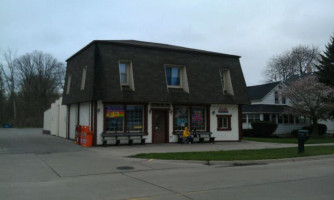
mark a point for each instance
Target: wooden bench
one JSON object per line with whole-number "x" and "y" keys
{"x": 130, "y": 137}
{"x": 202, "y": 135}
{"x": 205, "y": 135}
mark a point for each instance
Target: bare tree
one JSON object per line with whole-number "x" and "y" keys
{"x": 298, "y": 61}
{"x": 40, "y": 78}
{"x": 305, "y": 58}
{"x": 308, "y": 98}
{"x": 8, "y": 71}
{"x": 280, "y": 68}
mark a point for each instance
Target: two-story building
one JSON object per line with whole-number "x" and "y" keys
{"x": 122, "y": 86}
{"x": 267, "y": 104}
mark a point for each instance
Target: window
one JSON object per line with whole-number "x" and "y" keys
{"x": 134, "y": 118}
{"x": 291, "y": 119}
{"x": 266, "y": 117}
{"x": 276, "y": 97}
{"x": 68, "y": 84}
{"x": 83, "y": 78}
{"x": 120, "y": 118}
{"x": 286, "y": 119}
{"x": 181, "y": 117}
{"x": 280, "y": 119}
{"x": 124, "y": 69}
{"x": 173, "y": 76}
{"x": 195, "y": 117}
{"x": 298, "y": 120}
{"x": 224, "y": 122}
{"x": 244, "y": 118}
{"x": 198, "y": 118}
{"x": 283, "y": 100}
{"x": 226, "y": 82}
{"x": 273, "y": 118}
{"x": 253, "y": 118}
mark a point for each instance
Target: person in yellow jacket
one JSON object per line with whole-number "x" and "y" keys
{"x": 186, "y": 135}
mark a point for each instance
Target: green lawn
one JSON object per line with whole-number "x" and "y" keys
{"x": 291, "y": 140}
{"x": 260, "y": 154}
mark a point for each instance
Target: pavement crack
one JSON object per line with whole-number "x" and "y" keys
{"x": 49, "y": 166}
{"x": 153, "y": 184}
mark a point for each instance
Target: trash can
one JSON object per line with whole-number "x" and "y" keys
{"x": 86, "y": 137}
{"x": 303, "y": 135}
{"x": 89, "y": 139}
{"x": 77, "y": 135}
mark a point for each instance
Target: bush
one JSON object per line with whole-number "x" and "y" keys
{"x": 321, "y": 127}
{"x": 263, "y": 129}
{"x": 247, "y": 132}
{"x": 294, "y": 133}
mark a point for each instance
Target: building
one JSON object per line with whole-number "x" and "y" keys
{"x": 267, "y": 104}
{"x": 128, "y": 86}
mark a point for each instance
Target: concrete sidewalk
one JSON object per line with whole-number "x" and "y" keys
{"x": 196, "y": 147}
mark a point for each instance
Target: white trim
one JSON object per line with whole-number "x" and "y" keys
{"x": 83, "y": 78}
{"x": 181, "y": 68}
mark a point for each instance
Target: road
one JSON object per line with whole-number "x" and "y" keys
{"x": 35, "y": 166}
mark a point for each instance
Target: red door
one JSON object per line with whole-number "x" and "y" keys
{"x": 159, "y": 126}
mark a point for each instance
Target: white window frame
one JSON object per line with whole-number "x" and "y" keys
{"x": 68, "y": 84}
{"x": 128, "y": 68}
{"x": 181, "y": 68}
{"x": 83, "y": 77}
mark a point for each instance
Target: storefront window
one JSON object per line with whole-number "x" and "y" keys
{"x": 117, "y": 115}
{"x": 198, "y": 118}
{"x": 114, "y": 118}
{"x": 181, "y": 117}
{"x": 135, "y": 118}
{"x": 195, "y": 117}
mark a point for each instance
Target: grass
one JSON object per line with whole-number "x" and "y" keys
{"x": 260, "y": 154}
{"x": 320, "y": 140}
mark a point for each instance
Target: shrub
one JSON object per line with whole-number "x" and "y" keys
{"x": 263, "y": 129}
{"x": 247, "y": 132}
{"x": 294, "y": 133}
{"x": 321, "y": 127}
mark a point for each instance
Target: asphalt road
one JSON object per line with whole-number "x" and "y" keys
{"x": 36, "y": 166}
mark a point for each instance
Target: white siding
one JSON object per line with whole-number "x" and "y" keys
{"x": 100, "y": 122}
{"x": 233, "y": 134}
{"x": 85, "y": 114}
{"x": 47, "y": 120}
{"x": 329, "y": 124}
{"x": 73, "y": 120}
{"x": 55, "y": 119}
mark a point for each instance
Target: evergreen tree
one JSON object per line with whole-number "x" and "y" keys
{"x": 326, "y": 66}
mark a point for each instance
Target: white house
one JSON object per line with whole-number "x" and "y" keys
{"x": 267, "y": 104}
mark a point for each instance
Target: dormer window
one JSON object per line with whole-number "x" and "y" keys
{"x": 124, "y": 71}
{"x": 83, "y": 78}
{"x": 173, "y": 76}
{"x": 226, "y": 82}
{"x": 68, "y": 84}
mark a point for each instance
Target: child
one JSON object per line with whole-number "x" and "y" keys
{"x": 186, "y": 134}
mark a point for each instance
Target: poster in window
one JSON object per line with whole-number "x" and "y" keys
{"x": 114, "y": 111}
{"x": 197, "y": 117}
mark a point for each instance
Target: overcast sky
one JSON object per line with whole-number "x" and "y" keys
{"x": 254, "y": 29}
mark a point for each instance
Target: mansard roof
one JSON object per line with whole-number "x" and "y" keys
{"x": 148, "y": 66}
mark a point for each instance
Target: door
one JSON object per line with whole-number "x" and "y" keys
{"x": 159, "y": 126}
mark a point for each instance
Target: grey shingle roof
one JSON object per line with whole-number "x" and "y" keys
{"x": 263, "y": 108}
{"x": 154, "y": 45}
{"x": 148, "y": 66}
{"x": 257, "y": 92}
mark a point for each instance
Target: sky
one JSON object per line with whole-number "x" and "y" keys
{"x": 256, "y": 30}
